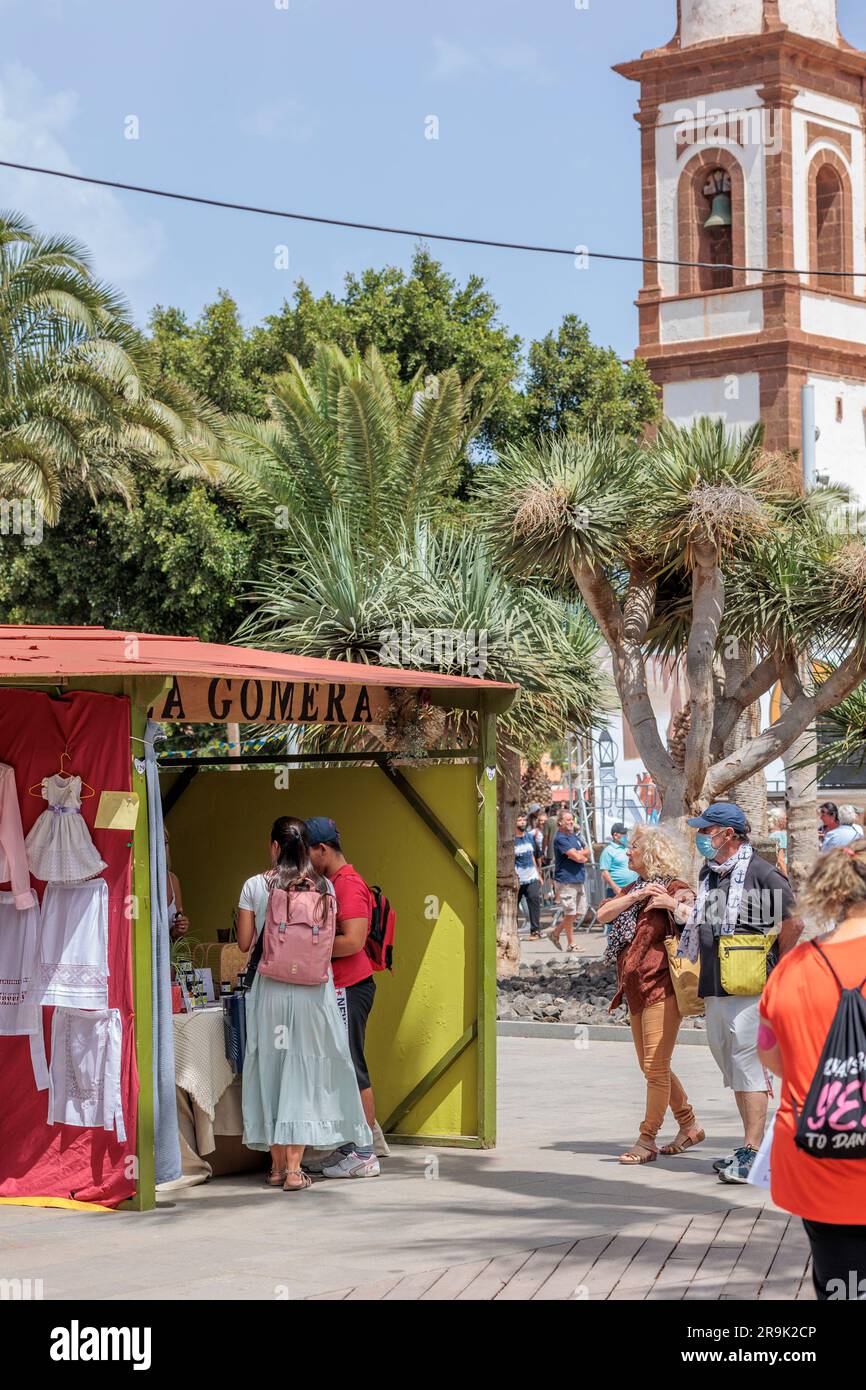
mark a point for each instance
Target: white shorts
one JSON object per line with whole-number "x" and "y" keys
{"x": 732, "y": 1033}
{"x": 572, "y": 899}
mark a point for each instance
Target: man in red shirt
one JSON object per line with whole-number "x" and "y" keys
{"x": 353, "y": 980}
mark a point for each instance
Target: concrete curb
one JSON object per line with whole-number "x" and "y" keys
{"x": 594, "y": 1032}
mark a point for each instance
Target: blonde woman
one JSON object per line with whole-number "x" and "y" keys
{"x": 653, "y": 907}
{"x": 797, "y": 1007}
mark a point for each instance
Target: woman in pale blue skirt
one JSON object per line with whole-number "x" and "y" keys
{"x": 299, "y": 1085}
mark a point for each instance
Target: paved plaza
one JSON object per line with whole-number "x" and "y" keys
{"x": 548, "y": 1214}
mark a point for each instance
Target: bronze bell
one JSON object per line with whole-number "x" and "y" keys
{"x": 721, "y": 215}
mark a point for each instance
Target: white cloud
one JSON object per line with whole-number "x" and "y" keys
{"x": 451, "y": 61}
{"x": 124, "y": 241}
{"x": 281, "y": 120}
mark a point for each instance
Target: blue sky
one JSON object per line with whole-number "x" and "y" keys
{"x": 321, "y": 107}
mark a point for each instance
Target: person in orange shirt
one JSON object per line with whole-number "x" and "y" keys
{"x": 797, "y": 1008}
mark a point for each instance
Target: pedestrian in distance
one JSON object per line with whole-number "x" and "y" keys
{"x": 613, "y": 862}
{"x": 570, "y": 856}
{"x": 528, "y": 876}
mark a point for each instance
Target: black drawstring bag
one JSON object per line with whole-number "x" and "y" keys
{"x": 832, "y": 1123}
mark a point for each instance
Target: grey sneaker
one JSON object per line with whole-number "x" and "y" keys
{"x": 317, "y": 1162}
{"x": 739, "y": 1170}
{"x": 352, "y": 1166}
{"x": 721, "y": 1163}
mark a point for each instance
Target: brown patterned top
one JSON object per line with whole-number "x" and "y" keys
{"x": 642, "y": 971}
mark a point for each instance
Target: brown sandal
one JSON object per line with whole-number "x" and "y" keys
{"x": 679, "y": 1146}
{"x": 297, "y": 1187}
{"x": 275, "y": 1179}
{"x": 640, "y": 1153}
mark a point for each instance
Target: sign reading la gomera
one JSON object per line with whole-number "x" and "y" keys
{"x": 226, "y": 700}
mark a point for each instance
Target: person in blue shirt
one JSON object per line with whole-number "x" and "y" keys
{"x": 528, "y": 877}
{"x": 569, "y": 875}
{"x": 613, "y": 862}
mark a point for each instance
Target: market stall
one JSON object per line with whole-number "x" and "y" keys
{"x": 426, "y": 831}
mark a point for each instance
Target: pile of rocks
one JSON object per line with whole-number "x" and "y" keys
{"x": 567, "y": 990}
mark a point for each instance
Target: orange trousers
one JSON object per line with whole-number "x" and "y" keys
{"x": 654, "y": 1031}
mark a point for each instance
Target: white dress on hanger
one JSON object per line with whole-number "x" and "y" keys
{"x": 72, "y": 958}
{"x": 84, "y": 1075}
{"x": 59, "y": 847}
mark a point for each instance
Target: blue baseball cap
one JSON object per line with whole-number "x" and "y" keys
{"x": 321, "y": 830}
{"x": 721, "y": 813}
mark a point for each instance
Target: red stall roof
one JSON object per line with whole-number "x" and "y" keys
{"x": 39, "y": 653}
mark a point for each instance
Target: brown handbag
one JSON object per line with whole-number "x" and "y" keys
{"x": 684, "y": 975}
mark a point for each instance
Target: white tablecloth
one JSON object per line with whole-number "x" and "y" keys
{"x": 200, "y": 1064}
{"x": 207, "y": 1090}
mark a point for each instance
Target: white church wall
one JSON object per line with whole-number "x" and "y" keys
{"x": 724, "y": 315}
{"x": 840, "y": 451}
{"x": 830, "y": 317}
{"x": 734, "y": 399}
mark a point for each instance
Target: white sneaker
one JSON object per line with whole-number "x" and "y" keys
{"x": 353, "y": 1166}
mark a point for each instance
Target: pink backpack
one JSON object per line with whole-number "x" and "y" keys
{"x": 298, "y": 935}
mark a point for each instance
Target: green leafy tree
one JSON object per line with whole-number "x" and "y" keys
{"x": 174, "y": 562}
{"x": 421, "y": 322}
{"x": 572, "y": 384}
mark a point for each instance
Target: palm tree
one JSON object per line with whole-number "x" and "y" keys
{"x": 333, "y": 599}
{"x": 81, "y": 396}
{"x": 699, "y": 545}
{"x": 345, "y": 435}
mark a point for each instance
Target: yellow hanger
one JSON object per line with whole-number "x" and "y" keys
{"x": 36, "y": 789}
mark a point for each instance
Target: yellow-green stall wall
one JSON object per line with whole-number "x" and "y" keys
{"x": 219, "y": 837}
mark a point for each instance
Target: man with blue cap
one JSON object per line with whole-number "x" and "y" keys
{"x": 739, "y": 895}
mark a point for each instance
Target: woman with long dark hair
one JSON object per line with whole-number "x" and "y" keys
{"x": 299, "y": 1084}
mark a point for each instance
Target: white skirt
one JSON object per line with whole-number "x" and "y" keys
{"x": 60, "y": 850}
{"x": 72, "y": 957}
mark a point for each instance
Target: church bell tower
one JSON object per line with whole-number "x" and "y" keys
{"x": 753, "y": 166}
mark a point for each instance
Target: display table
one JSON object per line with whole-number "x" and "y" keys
{"x": 210, "y": 1121}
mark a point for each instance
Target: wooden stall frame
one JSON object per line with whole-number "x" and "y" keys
{"x": 142, "y": 691}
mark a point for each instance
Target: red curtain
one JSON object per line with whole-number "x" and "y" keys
{"x": 37, "y": 1159}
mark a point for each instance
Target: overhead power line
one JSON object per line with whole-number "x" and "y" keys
{"x": 572, "y": 251}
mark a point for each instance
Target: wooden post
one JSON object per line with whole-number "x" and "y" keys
{"x": 486, "y": 925}
{"x": 145, "y": 1194}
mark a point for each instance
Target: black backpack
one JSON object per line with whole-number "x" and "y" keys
{"x": 832, "y": 1123}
